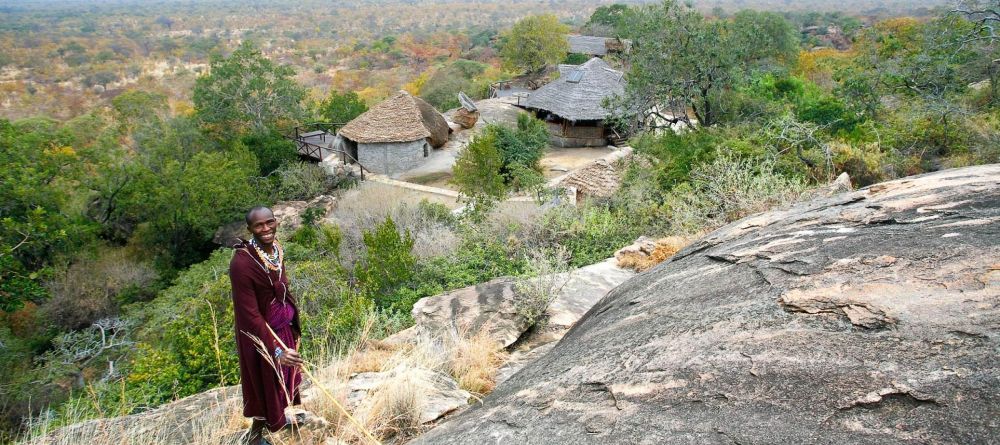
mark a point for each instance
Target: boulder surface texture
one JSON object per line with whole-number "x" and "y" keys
{"x": 869, "y": 317}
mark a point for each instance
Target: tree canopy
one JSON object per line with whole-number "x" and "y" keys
{"x": 341, "y": 107}
{"x": 533, "y": 43}
{"x": 680, "y": 60}
{"x": 247, "y": 91}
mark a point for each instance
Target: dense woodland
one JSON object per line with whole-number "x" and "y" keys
{"x": 127, "y": 140}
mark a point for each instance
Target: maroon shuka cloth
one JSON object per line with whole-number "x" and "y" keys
{"x": 257, "y": 296}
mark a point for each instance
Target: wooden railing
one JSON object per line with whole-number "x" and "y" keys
{"x": 311, "y": 150}
{"x": 314, "y": 151}
{"x": 329, "y": 127}
{"x": 495, "y": 87}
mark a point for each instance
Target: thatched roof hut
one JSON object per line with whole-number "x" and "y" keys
{"x": 579, "y": 92}
{"x": 598, "y": 179}
{"x": 400, "y": 118}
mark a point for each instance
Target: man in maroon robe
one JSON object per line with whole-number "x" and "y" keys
{"x": 267, "y": 327}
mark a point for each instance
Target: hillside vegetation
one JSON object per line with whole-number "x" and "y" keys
{"x": 115, "y": 300}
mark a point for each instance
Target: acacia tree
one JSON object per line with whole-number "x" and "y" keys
{"x": 680, "y": 61}
{"x": 341, "y": 107}
{"x": 533, "y": 43}
{"x": 247, "y": 91}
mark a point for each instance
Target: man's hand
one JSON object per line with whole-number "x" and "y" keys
{"x": 290, "y": 357}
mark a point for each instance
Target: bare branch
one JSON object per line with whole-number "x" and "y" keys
{"x": 23, "y": 241}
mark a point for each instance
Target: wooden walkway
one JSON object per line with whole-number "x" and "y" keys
{"x": 315, "y": 142}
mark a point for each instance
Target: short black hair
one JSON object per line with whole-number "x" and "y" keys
{"x": 251, "y": 212}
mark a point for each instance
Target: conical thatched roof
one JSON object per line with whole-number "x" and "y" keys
{"x": 579, "y": 91}
{"x": 599, "y": 179}
{"x": 400, "y": 118}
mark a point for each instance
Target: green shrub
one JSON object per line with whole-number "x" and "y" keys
{"x": 576, "y": 59}
{"x": 526, "y": 179}
{"x": 388, "y": 261}
{"x": 524, "y": 145}
{"x": 591, "y": 232}
{"x": 271, "y": 149}
{"x": 673, "y": 155}
{"x": 477, "y": 172}
{"x": 436, "y": 212}
{"x": 306, "y": 235}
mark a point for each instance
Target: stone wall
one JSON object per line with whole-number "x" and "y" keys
{"x": 393, "y": 158}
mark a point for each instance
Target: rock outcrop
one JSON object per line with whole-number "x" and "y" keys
{"x": 440, "y": 393}
{"x": 867, "y": 317}
{"x": 490, "y": 306}
{"x": 465, "y": 118}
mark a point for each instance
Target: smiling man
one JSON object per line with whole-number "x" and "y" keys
{"x": 267, "y": 327}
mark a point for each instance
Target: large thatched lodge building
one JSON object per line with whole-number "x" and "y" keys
{"x": 572, "y": 106}
{"x": 395, "y": 135}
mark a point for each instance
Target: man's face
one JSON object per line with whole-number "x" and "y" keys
{"x": 263, "y": 226}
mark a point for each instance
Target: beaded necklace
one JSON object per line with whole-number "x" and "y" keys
{"x": 273, "y": 261}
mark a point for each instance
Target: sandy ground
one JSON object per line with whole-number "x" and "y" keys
{"x": 436, "y": 171}
{"x": 441, "y": 160}
{"x": 558, "y": 161}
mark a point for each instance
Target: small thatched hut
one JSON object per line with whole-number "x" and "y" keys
{"x": 599, "y": 179}
{"x": 572, "y": 105}
{"x": 395, "y": 135}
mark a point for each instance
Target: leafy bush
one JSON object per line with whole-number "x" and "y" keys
{"x": 728, "y": 189}
{"x": 388, "y": 262}
{"x": 591, "y": 232}
{"x": 673, "y": 155}
{"x": 524, "y": 145}
{"x": 271, "y": 149}
{"x": 477, "y": 171}
{"x": 304, "y": 180}
{"x": 576, "y": 59}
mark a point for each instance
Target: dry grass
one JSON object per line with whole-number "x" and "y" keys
{"x": 213, "y": 424}
{"x": 371, "y": 358}
{"x": 475, "y": 361}
{"x": 368, "y": 205}
{"x": 392, "y": 410}
{"x": 665, "y": 248}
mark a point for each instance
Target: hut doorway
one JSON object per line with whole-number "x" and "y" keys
{"x": 351, "y": 148}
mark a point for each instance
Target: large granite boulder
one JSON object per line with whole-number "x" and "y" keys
{"x": 868, "y": 317}
{"x": 491, "y": 306}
